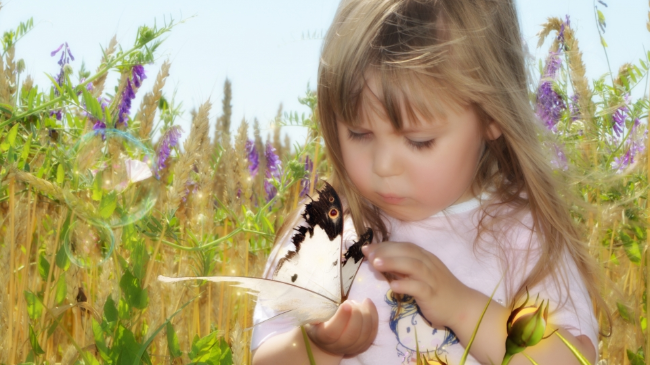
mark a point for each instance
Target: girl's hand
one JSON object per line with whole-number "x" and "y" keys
{"x": 351, "y": 331}
{"x": 421, "y": 274}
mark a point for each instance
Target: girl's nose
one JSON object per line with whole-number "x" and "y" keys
{"x": 386, "y": 162}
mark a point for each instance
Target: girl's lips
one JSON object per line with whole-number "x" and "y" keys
{"x": 391, "y": 198}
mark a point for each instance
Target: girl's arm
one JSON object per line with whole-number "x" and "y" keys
{"x": 446, "y": 301}
{"x": 351, "y": 330}
{"x": 489, "y": 345}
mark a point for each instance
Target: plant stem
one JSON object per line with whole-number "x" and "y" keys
{"x": 307, "y": 346}
{"x": 506, "y": 359}
{"x": 10, "y": 307}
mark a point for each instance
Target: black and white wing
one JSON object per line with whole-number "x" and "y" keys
{"x": 351, "y": 261}
{"x": 303, "y": 306}
{"x": 313, "y": 260}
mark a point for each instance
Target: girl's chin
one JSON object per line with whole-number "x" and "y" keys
{"x": 406, "y": 213}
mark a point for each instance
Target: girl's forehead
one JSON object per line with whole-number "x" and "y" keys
{"x": 403, "y": 101}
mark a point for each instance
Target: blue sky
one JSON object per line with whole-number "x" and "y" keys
{"x": 268, "y": 49}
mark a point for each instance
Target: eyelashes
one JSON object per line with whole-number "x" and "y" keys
{"x": 416, "y": 145}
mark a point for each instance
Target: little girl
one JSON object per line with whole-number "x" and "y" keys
{"x": 424, "y": 110}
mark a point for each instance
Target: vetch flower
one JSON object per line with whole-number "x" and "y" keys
{"x": 305, "y": 183}
{"x": 559, "y": 161}
{"x": 273, "y": 170}
{"x": 57, "y": 113}
{"x": 125, "y": 105}
{"x": 66, "y": 57}
{"x": 137, "y": 75}
{"x": 253, "y": 158}
{"x": 633, "y": 146}
{"x": 550, "y": 104}
{"x": 525, "y": 326}
{"x": 574, "y": 107}
{"x": 168, "y": 141}
{"x": 619, "y": 116}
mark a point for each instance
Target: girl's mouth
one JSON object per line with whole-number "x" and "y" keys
{"x": 391, "y": 198}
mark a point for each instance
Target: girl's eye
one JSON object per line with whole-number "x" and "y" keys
{"x": 358, "y": 136}
{"x": 420, "y": 145}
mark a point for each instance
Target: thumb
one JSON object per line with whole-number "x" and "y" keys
{"x": 330, "y": 331}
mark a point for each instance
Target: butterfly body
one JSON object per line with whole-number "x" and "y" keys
{"x": 313, "y": 275}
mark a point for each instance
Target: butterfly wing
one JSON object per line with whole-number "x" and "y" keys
{"x": 313, "y": 259}
{"x": 137, "y": 170}
{"x": 351, "y": 262}
{"x": 303, "y": 306}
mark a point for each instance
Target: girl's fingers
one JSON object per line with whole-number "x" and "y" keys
{"x": 392, "y": 249}
{"x": 330, "y": 331}
{"x": 408, "y": 266}
{"x": 415, "y": 288}
{"x": 354, "y": 326}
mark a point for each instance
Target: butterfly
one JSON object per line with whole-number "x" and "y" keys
{"x": 314, "y": 273}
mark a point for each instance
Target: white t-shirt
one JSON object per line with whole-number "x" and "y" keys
{"x": 450, "y": 235}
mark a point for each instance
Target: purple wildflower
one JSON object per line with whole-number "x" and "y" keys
{"x": 634, "y": 145}
{"x": 100, "y": 127}
{"x": 574, "y": 107}
{"x": 305, "y": 183}
{"x": 273, "y": 170}
{"x": 253, "y": 158}
{"x": 619, "y": 116}
{"x": 58, "y": 113}
{"x": 559, "y": 161}
{"x": 66, "y": 57}
{"x": 125, "y": 106}
{"x": 549, "y": 103}
{"x": 560, "y": 35}
{"x": 138, "y": 75}
{"x": 168, "y": 141}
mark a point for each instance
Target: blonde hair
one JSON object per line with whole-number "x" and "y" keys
{"x": 455, "y": 53}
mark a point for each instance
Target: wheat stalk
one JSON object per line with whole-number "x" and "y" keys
{"x": 147, "y": 110}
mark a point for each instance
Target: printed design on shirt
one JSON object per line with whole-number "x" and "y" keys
{"x": 406, "y": 321}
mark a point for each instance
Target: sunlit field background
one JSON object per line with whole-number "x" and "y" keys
{"x": 111, "y": 174}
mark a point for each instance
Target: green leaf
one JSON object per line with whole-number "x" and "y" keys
{"x": 11, "y": 138}
{"x": 146, "y": 344}
{"x": 43, "y": 267}
{"x": 26, "y": 148}
{"x": 139, "y": 259}
{"x": 125, "y": 347}
{"x": 97, "y": 187}
{"x": 624, "y": 311}
{"x": 134, "y": 295}
{"x": 60, "y": 174}
{"x": 172, "y": 341}
{"x": 34, "y": 342}
{"x": 98, "y": 333}
{"x": 34, "y": 305}
{"x": 110, "y": 311}
{"x": 62, "y": 260}
{"x": 210, "y": 350}
{"x": 631, "y": 247}
{"x": 602, "y": 41}
{"x": 61, "y": 290}
{"x": 636, "y": 358}
{"x": 123, "y": 309}
{"x": 108, "y": 204}
{"x": 92, "y": 105}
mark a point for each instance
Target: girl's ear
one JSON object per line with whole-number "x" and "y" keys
{"x": 493, "y": 130}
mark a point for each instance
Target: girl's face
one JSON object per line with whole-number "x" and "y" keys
{"x": 416, "y": 172}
